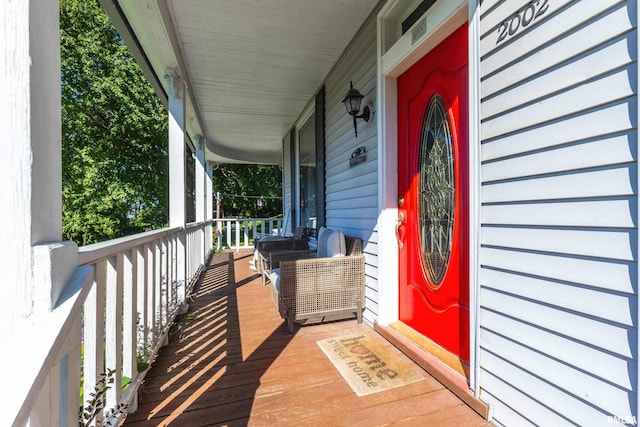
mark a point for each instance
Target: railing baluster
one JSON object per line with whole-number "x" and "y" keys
{"x": 151, "y": 294}
{"x": 141, "y": 300}
{"x": 203, "y": 247}
{"x": 167, "y": 273}
{"x": 237, "y": 234}
{"x": 181, "y": 267}
{"x": 174, "y": 284}
{"x": 218, "y": 234}
{"x": 114, "y": 327}
{"x": 176, "y": 295}
{"x": 130, "y": 304}
{"x": 173, "y": 272}
{"x": 74, "y": 360}
{"x": 201, "y": 250}
{"x": 188, "y": 258}
{"x": 179, "y": 288}
{"x": 198, "y": 251}
{"x": 195, "y": 252}
{"x": 189, "y": 240}
{"x": 94, "y": 335}
{"x": 157, "y": 248}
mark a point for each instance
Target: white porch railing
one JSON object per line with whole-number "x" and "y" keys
{"x": 116, "y": 312}
{"x": 238, "y": 233}
{"x": 199, "y": 243}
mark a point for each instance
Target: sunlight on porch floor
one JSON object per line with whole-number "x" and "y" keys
{"x": 231, "y": 361}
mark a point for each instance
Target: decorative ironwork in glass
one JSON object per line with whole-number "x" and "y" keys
{"x": 436, "y": 194}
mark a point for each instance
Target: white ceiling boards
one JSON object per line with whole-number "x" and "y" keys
{"x": 250, "y": 66}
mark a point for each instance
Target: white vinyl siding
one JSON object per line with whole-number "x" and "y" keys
{"x": 351, "y": 192}
{"x": 559, "y": 212}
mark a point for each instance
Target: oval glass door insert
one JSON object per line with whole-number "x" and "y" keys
{"x": 436, "y": 204}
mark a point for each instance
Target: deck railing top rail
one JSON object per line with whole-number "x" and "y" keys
{"x": 90, "y": 254}
{"x": 98, "y": 251}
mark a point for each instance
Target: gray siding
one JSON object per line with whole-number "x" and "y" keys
{"x": 558, "y": 281}
{"x": 351, "y": 192}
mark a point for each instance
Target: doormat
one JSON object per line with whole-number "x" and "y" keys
{"x": 367, "y": 365}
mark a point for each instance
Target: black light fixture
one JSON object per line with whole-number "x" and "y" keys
{"x": 352, "y": 101}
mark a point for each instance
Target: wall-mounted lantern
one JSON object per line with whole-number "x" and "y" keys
{"x": 352, "y": 101}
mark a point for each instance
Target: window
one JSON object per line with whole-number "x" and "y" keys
{"x": 306, "y": 176}
{"x": 437, "y": 190}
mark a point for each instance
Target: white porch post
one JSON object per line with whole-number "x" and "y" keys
{"x": 208, "y": 209}
{"x": 34, "y": 262}
{"x": 201, "y": 195}
{"x": 208, "y": 192}
{"x": 177, "y": 175}
{"x": 177, "y": 205}
{"x": 200, "y": 176}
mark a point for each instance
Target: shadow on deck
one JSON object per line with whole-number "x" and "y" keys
{"x": 231, "y": 361}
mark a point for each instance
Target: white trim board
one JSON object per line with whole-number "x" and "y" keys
{"x": 397, "y": 53}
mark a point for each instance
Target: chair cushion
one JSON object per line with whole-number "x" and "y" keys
{"x": 274, "y": 277}
{"x": 331, "y": 243}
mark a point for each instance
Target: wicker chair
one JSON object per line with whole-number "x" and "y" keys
{"x": 319, "y": 289}
{"x": 265, "y": 247}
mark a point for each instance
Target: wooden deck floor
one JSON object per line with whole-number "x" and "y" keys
{"x": 231, "y": 361}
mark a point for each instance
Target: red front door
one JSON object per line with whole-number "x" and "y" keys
{"x": 433, "y": 190}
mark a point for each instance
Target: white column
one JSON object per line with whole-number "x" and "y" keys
{"x": 177, "y": 206}
{"x": 200, "y": 202}
{"x": 208, "y": 211}
{"x": 35, "y": 264}
{"x": 177, "y": 179}
{"x": 200, "y": 176}
{"x": 208, "y": 206}
{"x": 30, "y": 163}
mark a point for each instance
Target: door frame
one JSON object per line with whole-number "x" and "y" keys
{"x": 395, "y": 54}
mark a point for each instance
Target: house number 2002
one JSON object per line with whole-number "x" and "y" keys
{"x": 522, "y": 18}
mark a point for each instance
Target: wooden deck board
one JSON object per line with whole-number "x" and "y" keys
{"x": 231, "y": 361}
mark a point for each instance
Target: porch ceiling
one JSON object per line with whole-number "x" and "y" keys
{"x": 251, "y": 66}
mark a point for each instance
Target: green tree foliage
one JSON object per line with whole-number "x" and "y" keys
{"x": 249, "y": 191}
{"x": 114, "y": 142}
